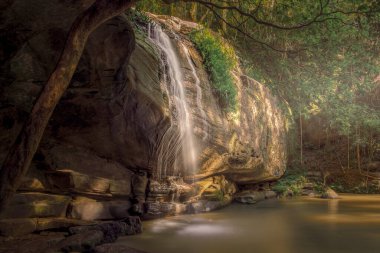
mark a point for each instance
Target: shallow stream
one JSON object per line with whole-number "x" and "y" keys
{"x": 350, "y": 225}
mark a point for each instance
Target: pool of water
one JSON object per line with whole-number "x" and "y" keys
{"x": 350, "y": 225}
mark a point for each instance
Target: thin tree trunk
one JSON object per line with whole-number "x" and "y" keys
{"x": 19, "y": 158}
{"x": 358, "y": 149}
{"x": 193, "y": 11}
{"x": 301, "y": 140}
{"x": 348, "y": 151}
{"x": 224, "y": 15}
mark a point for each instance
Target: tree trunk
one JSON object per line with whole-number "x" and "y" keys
{"x": 19, "y": 158}
{"x": 301, "y": 140}
{"x": 358, "y": 158}
{"x": 194, "y": 12}
{"x": 348, "y": 151}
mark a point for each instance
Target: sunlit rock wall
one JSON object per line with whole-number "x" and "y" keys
{"x": 247, "y": 146}
{"x": 100, "y": 146}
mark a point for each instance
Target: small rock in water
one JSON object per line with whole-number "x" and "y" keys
{"x": 329, "y": 194}
{"x": 250, "y": 197}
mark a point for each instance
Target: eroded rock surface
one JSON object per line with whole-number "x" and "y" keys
{"x": 99, "y": 151}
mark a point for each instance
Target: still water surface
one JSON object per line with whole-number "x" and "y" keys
{"x": 347, "y": 225}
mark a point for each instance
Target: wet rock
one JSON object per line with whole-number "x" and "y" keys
{"x": 162, "y": 209}
{"x": 80, "y": 242}
{"x": 23, "y": 226}
{"x": 91, "y": 209}
{"x": 68, "y": 180}
{"x": 60, "y": 223}
{"x": 17, "y": 227}
{"x": 270, "y": 194}
{"x": 139, "y": 184}
{"x": 31, "y": 243}
{"x": 115, "y": 248}
{"x": 250, "y": 197}
{"x": 215, "y": 188}
{"x": 170, "y": 189}
{"x": 329, "y": 194}
{"x": 33, "y": 205}
{"x": 72, "y": 181}
{"x": 202, "y": 206}
{"x": 112, "y": 229}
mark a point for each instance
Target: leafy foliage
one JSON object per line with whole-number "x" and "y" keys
{"x": 291, "y": 183}
{"x": 219, "y": 59}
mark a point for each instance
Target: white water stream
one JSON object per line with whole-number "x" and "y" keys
{"x": 177, "y": 148}
{"x": 199, "y": 92}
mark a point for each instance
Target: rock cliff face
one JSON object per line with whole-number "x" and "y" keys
{"x": 101, "y": 143}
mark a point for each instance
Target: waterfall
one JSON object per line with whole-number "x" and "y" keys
{"x": 177, "y": 147}
{"x": 199, "y": 92}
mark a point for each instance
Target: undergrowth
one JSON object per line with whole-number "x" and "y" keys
{"x": 219, "y": 59}
{"x": 290, "y": 184}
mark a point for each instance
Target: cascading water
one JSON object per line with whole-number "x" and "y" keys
{"x": 178, "y": 141}
{"x": 199, "y": 92}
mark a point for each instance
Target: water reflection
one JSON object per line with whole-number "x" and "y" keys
{"x": 350, "y": 224}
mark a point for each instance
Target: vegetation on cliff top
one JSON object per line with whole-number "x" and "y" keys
{"x": 219, "y": 59}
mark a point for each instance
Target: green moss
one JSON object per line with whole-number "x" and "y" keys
{"x": 219, "y": 59}
{"x": 290, "y": 183}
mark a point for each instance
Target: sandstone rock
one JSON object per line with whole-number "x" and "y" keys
{"x": 23, "y": 226}
{"x": 207, "y": 206}
{"x": 270, "y": 194}
{"x": 17, "y": 227}
{"x": 169, "y": 189}
{"x": 59, "y": 223}
{"x": 115, "y": 248}
{"x": 215, "y": 188}
{"x": 80, "y": 242}
{"x": 113, "y": 229}
{"x": 139, "y": 184}
{"x": 72, "y": 181}
{"x": 250, "y": 197}
{"x": 115, "y": 111}
{"x": 33, "y": 205}
{"x": 31, "y": 243}
{"x": 329, "y": 194}
{"x": 161, "y": 209}
{"x": 34, "y": 181}
{"x": 90, "y": 209}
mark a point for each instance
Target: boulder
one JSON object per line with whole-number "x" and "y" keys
{"x": 115, "y": 248}
{"x": 72, "y": 181}
{"x": 79, "y": 242}
{"x": 60, "y": 223}
{"x": 270, "y": 194}
{"x": 112, "y": 229}
{"x": 31, "y": 243}
{"x": 91, "y": 209}
{"x": 34, "y": 205}
{"x": 202, "y": 206}
{"x": 24, "y": 226}
{"x": 250, "y": 197}
{"x": 215, "y": 188}
{"x": 17, "y": 227}
{"x": 162, "y": 209}
{"x": 329, "y": 194}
